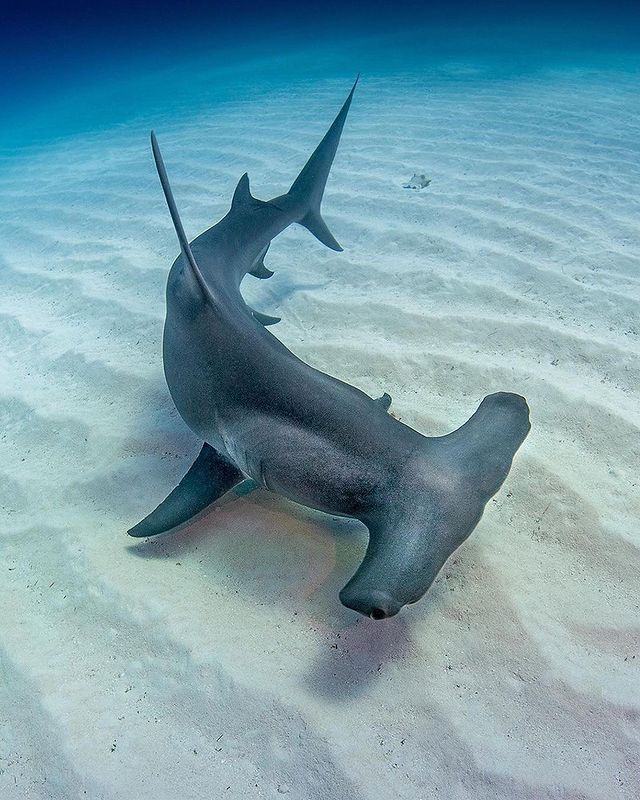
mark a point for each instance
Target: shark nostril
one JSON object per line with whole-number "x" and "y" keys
{"x": 372, "y": 603}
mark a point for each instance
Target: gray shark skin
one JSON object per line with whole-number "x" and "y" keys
{"x": 266, "y": 415}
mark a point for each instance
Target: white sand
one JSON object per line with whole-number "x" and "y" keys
{"x": 218, "y": 663}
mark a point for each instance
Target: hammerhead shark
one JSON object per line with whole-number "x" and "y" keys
{"x": 264, "y": 414}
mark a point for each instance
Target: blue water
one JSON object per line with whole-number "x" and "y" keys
{"x": 82, "y": 67}
{"x": 221, "y": 658}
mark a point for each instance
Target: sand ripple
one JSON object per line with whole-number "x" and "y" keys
{"x": 218, "y": 663}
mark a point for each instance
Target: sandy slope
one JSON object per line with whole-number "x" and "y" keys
{"x": 219, "y": 662}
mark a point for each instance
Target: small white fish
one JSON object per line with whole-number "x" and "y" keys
{"x": 417, "y": 182}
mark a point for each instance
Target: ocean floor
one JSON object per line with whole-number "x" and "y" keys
{"x": 218, "y": 662}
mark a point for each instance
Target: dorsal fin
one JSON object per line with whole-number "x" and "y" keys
{"x": 242, "y": 195}
{"x": 177, "y": 222}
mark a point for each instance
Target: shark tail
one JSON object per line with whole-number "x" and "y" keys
{"x": 308, "y": 187}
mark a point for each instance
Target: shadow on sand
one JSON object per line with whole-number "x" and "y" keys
{"x": 284, "y": 555}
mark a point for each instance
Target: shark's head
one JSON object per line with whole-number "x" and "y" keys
{"x": 434, "y": 506}
{"x": 407, "y": 548}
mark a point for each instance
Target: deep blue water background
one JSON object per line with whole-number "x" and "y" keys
{"x": 78, "y": 67}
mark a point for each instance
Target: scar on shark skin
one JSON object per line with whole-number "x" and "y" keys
{"x": 264, "y": 415}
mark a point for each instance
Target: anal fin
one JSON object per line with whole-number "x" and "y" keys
{"x": 211, "y": 475}
{"x": 258, "y": 269}
{"x": 264, "y": 319}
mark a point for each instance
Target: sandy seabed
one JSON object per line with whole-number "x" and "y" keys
{"x": 219, "y": 663}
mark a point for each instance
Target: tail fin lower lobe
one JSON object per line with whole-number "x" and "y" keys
{"x": 308, "y": 187}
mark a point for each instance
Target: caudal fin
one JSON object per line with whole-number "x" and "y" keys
{"x": 308, "y": 187}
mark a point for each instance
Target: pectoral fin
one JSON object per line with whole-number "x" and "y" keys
{"x": 211, "y": 475}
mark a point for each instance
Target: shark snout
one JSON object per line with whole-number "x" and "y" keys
{"x": 371, "y": 603}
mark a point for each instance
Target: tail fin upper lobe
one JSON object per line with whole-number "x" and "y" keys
{"x": 308, "y": 187}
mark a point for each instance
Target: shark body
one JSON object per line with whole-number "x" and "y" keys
{"x": 265, "y": 414}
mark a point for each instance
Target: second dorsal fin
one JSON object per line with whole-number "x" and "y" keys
{"x": 242, "y": 195}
